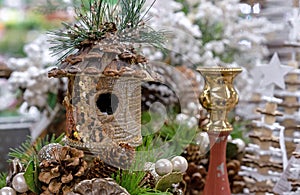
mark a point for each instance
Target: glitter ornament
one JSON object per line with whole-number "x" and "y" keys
{"x": 163, "y": 167}
{"x": 48, "y": 151}
{"x": 180, "y": 164}
{"x": 7, "y": 191}
{"x": 19, "y": 183}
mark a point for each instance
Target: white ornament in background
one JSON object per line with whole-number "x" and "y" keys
{"x": 202, "y": 140}
{"x": 274, "y": 72}
{"x": 7, "y": 98}
{"x": 294, "y": 22}
{"x": 272, "y": 75}
{"x": 31, "y": 73}
{"x": 239, "y": 143}
{"x": 181, "y": 37}
{"x": 244, "y": 36}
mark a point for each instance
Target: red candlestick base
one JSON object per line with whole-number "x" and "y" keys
{"x": 217, "y": 182}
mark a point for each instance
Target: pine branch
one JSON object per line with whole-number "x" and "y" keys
{"x": 3, "y": 180}
{"x": 100, "y": 18}
{"x": 27, "y": 151}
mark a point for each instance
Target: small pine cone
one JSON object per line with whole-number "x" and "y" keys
{"x": 237, "y": 182}
{"x": 233, "y": 168}
{"x": 59, "y": 175}
{"x": 193, "y": 154}
{"x": 194, "y": 179}
{"x": 99, "y": 169}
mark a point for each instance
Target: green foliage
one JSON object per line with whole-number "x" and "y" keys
{"x": 171, "y": 140}
{"x": 52, "y": 100}
{"x": 185, "y": 6}
{"x": 98, "y": 18}
{"x": 132, "y": 181}
{"x": 51, "y": 6}
{"x": 31, "y": 176}
{"x": 3, "y": 180}
{"x": 210, "y": 31}
{"x": 231, "y": 150}
{"x": 8, "y": 113}
{"x": 18, "y": 33}
{"x": 240, "y": 129}
{"x": 166, "y": 143}
{"x": 27, "y": 152}
{"x": 12, "y": 42}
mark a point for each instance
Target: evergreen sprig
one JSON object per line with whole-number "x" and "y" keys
{"x": 132, "y": 180}
{"x": 28, "y": 151}
{"x": 3, "y": 180}
{"x": 96, "y": 19}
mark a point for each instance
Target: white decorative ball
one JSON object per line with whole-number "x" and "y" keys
{"x": 202, "y": 140}
{"x": 19, "y": 183}
{"x": 7, "y": 191}
{"x": 180, "y": 164}
{"x": 240, "y": 144}
{"x": 163, "y": 167}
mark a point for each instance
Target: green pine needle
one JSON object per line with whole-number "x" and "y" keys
{"x": 95, "y": 19}
{"x": 131, "y": 180}
{"x": 3, "y": 180}
{"x": 28, "y": 151}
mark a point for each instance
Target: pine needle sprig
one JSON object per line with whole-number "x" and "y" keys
{"x": 28, "y": 151}
{"x": 131, "y": 13}
{"x": 132, "y": 179}
{"x": 3, "y": 180}
{"x": 97, "y": 19}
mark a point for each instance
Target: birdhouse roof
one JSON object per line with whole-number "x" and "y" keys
{"x": 107, "y": 58}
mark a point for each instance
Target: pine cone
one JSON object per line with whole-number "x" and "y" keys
{"x": 59, "y": 175}
{"x": 194, "y": 155}
{"x": 237, "y": 182}
{"x": 194, "y": 179}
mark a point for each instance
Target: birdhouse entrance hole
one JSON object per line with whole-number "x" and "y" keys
{"x": 107, "y": 103}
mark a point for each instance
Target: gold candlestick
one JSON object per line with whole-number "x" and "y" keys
{"x": 218, "y": 97}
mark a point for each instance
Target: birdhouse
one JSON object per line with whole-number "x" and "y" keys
{"x": 103, "y": 101}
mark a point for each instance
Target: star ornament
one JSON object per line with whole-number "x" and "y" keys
{"x": 274, "y": 72}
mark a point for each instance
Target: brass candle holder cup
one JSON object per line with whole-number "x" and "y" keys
{"x": 219, "y": 96}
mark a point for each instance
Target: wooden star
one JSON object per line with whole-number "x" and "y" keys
{"x": 274, "y": 72}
